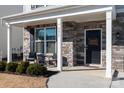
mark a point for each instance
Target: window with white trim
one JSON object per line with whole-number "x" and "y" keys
{"x": 45, "y": 40}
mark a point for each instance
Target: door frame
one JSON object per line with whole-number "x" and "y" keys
{"x": 85, "y": 30}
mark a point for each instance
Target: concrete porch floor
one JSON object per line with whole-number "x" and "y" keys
{"x": 79, "y": 79}
{"x": 118, "y": 82}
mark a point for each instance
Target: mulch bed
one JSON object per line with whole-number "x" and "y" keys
{"x": 14, "y": 80}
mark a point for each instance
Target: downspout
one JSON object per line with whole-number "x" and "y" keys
{"x": 1, "y": 49}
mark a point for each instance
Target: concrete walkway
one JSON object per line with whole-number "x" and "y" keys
{"x": 119, "y": 81}
{"x": 79, "y": 79}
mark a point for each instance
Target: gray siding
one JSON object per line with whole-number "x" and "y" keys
{"x": 17, "y": 33}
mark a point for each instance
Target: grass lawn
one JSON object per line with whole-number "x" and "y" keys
{"x": 21, "y": 81}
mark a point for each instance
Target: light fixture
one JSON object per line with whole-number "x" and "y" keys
{"x": 117, "y": 35}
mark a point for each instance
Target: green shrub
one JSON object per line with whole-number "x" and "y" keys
{"x": 22, "y": 67}
{"x": 36, "y": 69}
{"x": 11, "y": 67}
{"x": 2, "y": 66}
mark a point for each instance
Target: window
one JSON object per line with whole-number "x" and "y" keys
{"x": 45, "y": 40}
{"x": 40, "y": 47}
{"x": 37, "y": 6}
{"x": 40, "y": 34}
{"x": 50, "y": 46}
{"x": 50, "y": 34}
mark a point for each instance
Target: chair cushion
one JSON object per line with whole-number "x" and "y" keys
{"x": 32, "y": 55}
{"x": 30, "y": 59}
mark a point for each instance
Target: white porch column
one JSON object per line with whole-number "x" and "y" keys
{"x": 108, "y": 44}
{"x": 9, "y": 50}
{"x": 59, "y": 44}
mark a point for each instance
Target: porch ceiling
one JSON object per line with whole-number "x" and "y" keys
{"x": 77, "y": 18}
{"x": 86, "y": 17}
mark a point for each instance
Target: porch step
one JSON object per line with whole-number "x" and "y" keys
{"x": 82, "y": 68}
{"x": 77, "y": 68}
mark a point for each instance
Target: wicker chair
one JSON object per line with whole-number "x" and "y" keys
{"x": 50, "y": 59}
{"x": 41, "y": 59}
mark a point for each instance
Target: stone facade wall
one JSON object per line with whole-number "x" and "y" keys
{"x": 92, "y": 25}
{"x": 76, "y": 35}
{"x": 118, "y": 57}
{"x": 74, "y": 32}
{"x": 67, "y": 53}
{"x": 118, "y": 43}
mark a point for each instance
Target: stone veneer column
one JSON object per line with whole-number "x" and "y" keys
{"x": 67, "y": 53}
{"x": 26, "y": 43}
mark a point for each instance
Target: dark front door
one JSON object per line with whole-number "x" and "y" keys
{"x": 93, "y": 46}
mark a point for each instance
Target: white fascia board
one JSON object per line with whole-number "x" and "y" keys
{"x": 65, "y": 15}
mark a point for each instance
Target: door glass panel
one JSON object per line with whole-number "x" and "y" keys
{"x": 50, "y": 33}
{"x": 40, "y": 34}
{"x": 39, "y": 47}
{"x": 93, "y": 41}
{"x": 50, "y": 46}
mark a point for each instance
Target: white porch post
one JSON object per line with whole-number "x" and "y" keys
{"x": 59, "y": 44}
{"x": 9, "y": 36}
{"x": 108, "y": 44}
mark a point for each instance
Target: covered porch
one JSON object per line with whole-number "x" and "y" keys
{"x": 68, "y": 25}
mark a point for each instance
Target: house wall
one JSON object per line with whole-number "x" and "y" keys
{"x": 74, "y": 32}
{"x": 17, "y": 35}
{"x": 73, "y": 42}
{"x": 118, "y": 43}
{"x": 73, "y": 38}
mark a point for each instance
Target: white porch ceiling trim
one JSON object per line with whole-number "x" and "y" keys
{"x": 64, "y": 15}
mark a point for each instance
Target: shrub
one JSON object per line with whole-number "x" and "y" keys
{"x": 11, "y": 67}
{"x": 22, "y": 67}
{"x": 36, "y": 69}
{"x": 2, "y": 66}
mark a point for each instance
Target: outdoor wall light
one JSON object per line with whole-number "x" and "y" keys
{"x": 117, "y": 35}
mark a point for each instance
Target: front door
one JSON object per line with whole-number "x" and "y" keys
{"x": 93, "y": 46}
